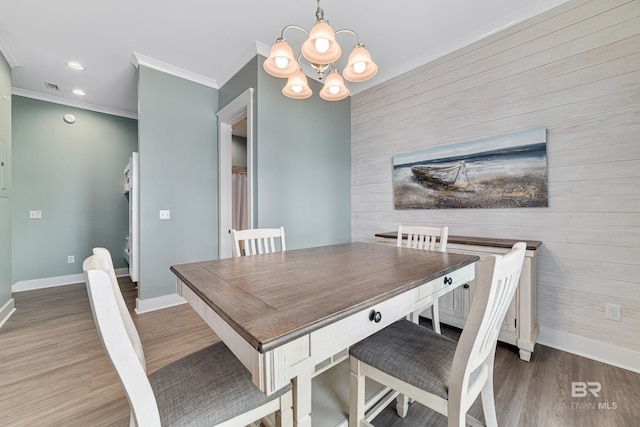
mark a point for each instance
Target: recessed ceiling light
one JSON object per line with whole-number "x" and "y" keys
{"x": 78, "y": 92}
{"x": 75, "y": 65}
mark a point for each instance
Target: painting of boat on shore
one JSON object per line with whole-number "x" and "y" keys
{"x": 508, "y": 171}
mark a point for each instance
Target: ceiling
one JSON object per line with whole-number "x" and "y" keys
{"x": 210, "y": 41}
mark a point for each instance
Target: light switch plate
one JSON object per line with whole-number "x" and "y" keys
{"x": 35, "y": 214}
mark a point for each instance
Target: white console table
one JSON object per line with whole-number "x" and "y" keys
{"x": 520, "y": 327}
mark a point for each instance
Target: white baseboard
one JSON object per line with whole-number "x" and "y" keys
{"x": 142, "y": 306}
{"x": 50, "y": 282}
{"x": 6, "y": 311}
{"x": 602, "y": 352}
{"x": 152, "y": 304}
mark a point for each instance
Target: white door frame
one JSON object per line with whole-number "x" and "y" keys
{"x": 236, "y": 110}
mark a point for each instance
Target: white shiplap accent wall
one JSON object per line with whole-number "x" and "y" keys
{"x": 574, "y": 70}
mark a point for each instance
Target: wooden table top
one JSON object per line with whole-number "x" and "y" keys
{"x": 275, "y": 298}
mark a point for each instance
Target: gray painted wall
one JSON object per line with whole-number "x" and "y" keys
{"x": 73, "y": 174}
{"x": 302, "y": 159}
{"x": 245, "y": 78}
{"x": 303, "y": 164}
{"x": 303, "y": 175}
{"x": 178, "y": 171}
{"x": 5, "y": 196}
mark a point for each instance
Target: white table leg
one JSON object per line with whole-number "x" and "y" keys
{"x": 302, "y": 400}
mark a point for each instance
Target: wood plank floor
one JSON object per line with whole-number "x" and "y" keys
{"x": 53, "y": 371}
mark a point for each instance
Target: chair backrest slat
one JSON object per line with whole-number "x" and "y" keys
{"x": 257, "y": 241}
{"x": 423, "y": 237}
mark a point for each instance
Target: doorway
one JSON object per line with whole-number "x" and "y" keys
{"x": 239, "y": 217}
{"x": 235, "y": 113}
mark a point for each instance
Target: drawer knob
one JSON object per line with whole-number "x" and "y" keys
{"x": 448, "y": 280}
{"x": 375, "y": 316}
{"x": 466, "y": 286}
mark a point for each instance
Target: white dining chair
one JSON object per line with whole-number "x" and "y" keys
{"x": 102, "y": 261}
{"x": 257, "y": 241}
{"x": 427, "y": 238}
{"x": 207, "y": 388}
{"x": 435, "y": 370}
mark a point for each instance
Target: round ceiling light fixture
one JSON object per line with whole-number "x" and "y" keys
{"x": 69, "y": 118}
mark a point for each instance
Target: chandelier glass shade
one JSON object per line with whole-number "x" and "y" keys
{"x": 322, "y": 51}
{"x": 334, "y": 88}
{"x": 360, "y": 67}
{"x": 297, "y": 86}
{"x": 281, "y": 62}
{"x": 321, "y": 46}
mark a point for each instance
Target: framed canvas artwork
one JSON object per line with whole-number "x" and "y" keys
{"x": 507, "y": 171}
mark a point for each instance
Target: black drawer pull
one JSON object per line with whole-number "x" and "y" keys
{"x": 466, "y": 286}
{"x": 448, "y": 280}
{"x": 375, "y": 316}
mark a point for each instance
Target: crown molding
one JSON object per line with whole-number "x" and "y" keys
{"x": 263, "y": 49}
{"x": 7, "y": 52}
{"x": 63, "y": 101}
{"x": 138, "y": 59}
{"x": 509, "y": 21}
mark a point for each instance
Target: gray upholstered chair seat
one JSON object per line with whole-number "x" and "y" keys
{"x": 411, "y": 353}
{"x": 206, "y": 388}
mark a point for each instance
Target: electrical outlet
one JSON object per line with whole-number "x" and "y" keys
{"x": 613, "y": 312}
{"x": 71, "y": 259}
{"x": 165, "y": 214}
{"x": 35, "y": 214}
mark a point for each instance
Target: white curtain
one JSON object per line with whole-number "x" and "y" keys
{"x": 239, "y": 208}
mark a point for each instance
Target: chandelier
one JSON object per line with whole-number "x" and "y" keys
{"x": 322, "y": 51}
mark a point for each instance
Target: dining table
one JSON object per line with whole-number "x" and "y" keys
{"x": 287, "y": 315}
